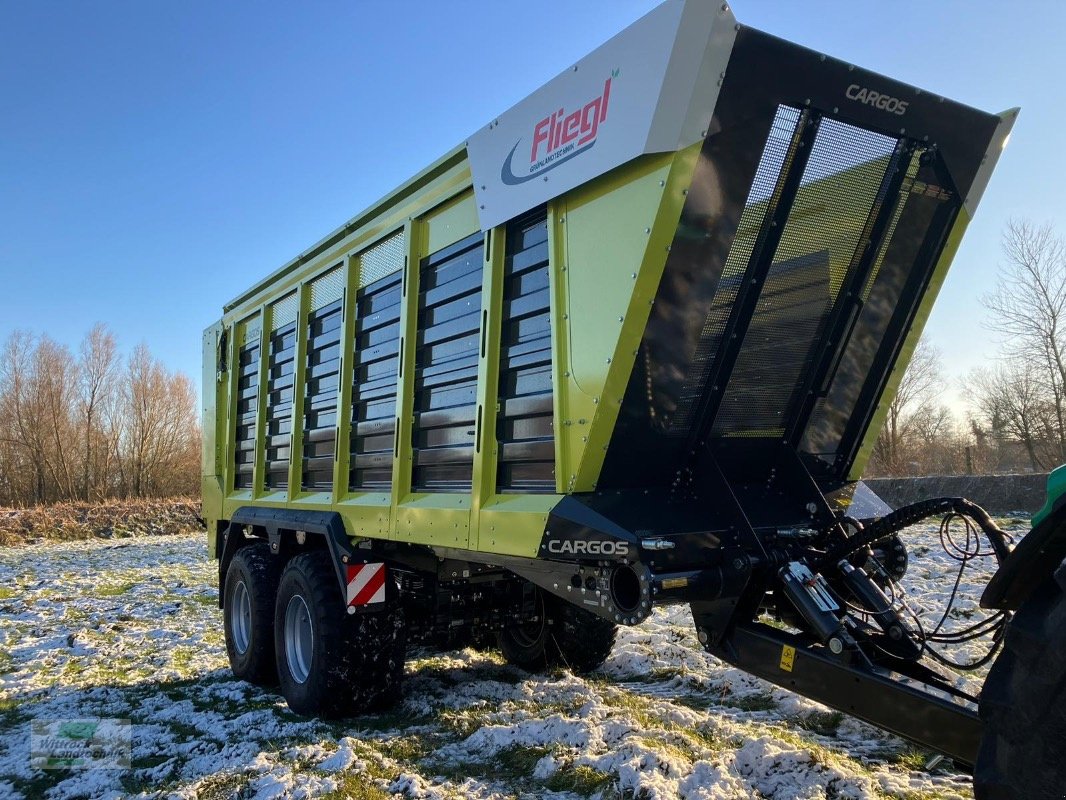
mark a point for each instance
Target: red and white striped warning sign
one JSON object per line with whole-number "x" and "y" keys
{"x": 366, "y": 584}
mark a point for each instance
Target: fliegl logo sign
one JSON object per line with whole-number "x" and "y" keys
{"x": 562, "y": 135}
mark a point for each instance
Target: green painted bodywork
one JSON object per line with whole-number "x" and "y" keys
{"x": 608, "y": 244}
{"x": 606, "y": 309}
{"x": 601, "y": 290}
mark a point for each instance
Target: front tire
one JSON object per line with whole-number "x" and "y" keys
{"x": 248, "y": 613}
{"x": 331, "y": 664}
{"x": 1023, "y": 705}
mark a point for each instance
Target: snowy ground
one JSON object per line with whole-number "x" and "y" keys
{"x": 132, "y": 630}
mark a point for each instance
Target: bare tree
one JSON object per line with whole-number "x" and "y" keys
{"x": 1028, "y": 308}
{"x": 912, "y": 408}
{"x": 161, "y": 430}
{"x": 24, "y": 473}
{"x": 1013, "y": 406}
{"x": 98, "y": 366}
{"x": 85, "y": 428}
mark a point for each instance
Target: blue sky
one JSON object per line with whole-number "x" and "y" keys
{"x": 156, "y": 158}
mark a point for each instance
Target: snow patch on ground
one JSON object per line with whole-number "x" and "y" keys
{"x": 132, "y": 630}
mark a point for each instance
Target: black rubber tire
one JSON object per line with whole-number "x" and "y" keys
{"x": 582, "y": 639}
{"x": 259, "y": 570}
{"x": 527, "y": 645}
{"x": 565, "y": 636}
{"x": 357, "y": 659}
{"x": 1023, "y": 705}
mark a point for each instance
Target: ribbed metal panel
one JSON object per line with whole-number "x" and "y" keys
{"x": 280, "y": 364}
{"x": 321, "y": 387}
{"x": 382, "y": 260}
{"x": 279, "y": 405}
{"x": 247, "y": 403}
{"x": 250, "y": 331}
{"x": 377, "y": 336}
{"x": 525, "y": 432}
{"x": 449, "y": 319}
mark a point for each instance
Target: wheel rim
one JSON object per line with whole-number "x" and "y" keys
{"x": 240, "y": 618}
{"x": 299, "y": 639}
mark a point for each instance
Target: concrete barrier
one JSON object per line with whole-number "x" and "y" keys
{"x": 997, "y": 494}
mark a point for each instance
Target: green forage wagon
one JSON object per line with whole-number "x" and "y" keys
{"x": 629, "y": 344}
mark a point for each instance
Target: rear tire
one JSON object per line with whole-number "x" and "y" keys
{"x": 248, "y": 613}
{"x": 564, "y": 635}
{"x": 331, "y": 664}
{"x": 1023, "y": 705}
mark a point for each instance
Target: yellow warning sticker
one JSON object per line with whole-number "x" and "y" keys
{"x": 788, "y": 657}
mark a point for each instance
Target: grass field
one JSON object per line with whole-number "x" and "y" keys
{"x": 130, "y": 629}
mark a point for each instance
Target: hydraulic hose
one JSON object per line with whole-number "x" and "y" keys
{"x": 914, "y": 513}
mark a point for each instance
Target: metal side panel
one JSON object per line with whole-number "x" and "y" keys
{"x": 213, "y": 422}
{"x": 608, "y": 244}
{"x": 376, "y": 365}
{"x": 525, "y": 433}
{"x": 436, "y": 405}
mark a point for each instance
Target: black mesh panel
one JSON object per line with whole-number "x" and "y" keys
{"x": 922, "y": 210}
{"x": 763, "y": 189}
{"x": 819, "y": 244}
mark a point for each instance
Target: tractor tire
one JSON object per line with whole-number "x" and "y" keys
{"x": 248, "y": 613}
{"x": 332, "y": 664}
{"x": 564, "y": 635}
{"x": 1023, "y": 704}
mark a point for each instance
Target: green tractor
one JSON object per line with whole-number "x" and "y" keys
{"x": 630, "y": 344}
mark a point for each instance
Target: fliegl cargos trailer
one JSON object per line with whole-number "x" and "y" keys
{"x": 629, "y": 344}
